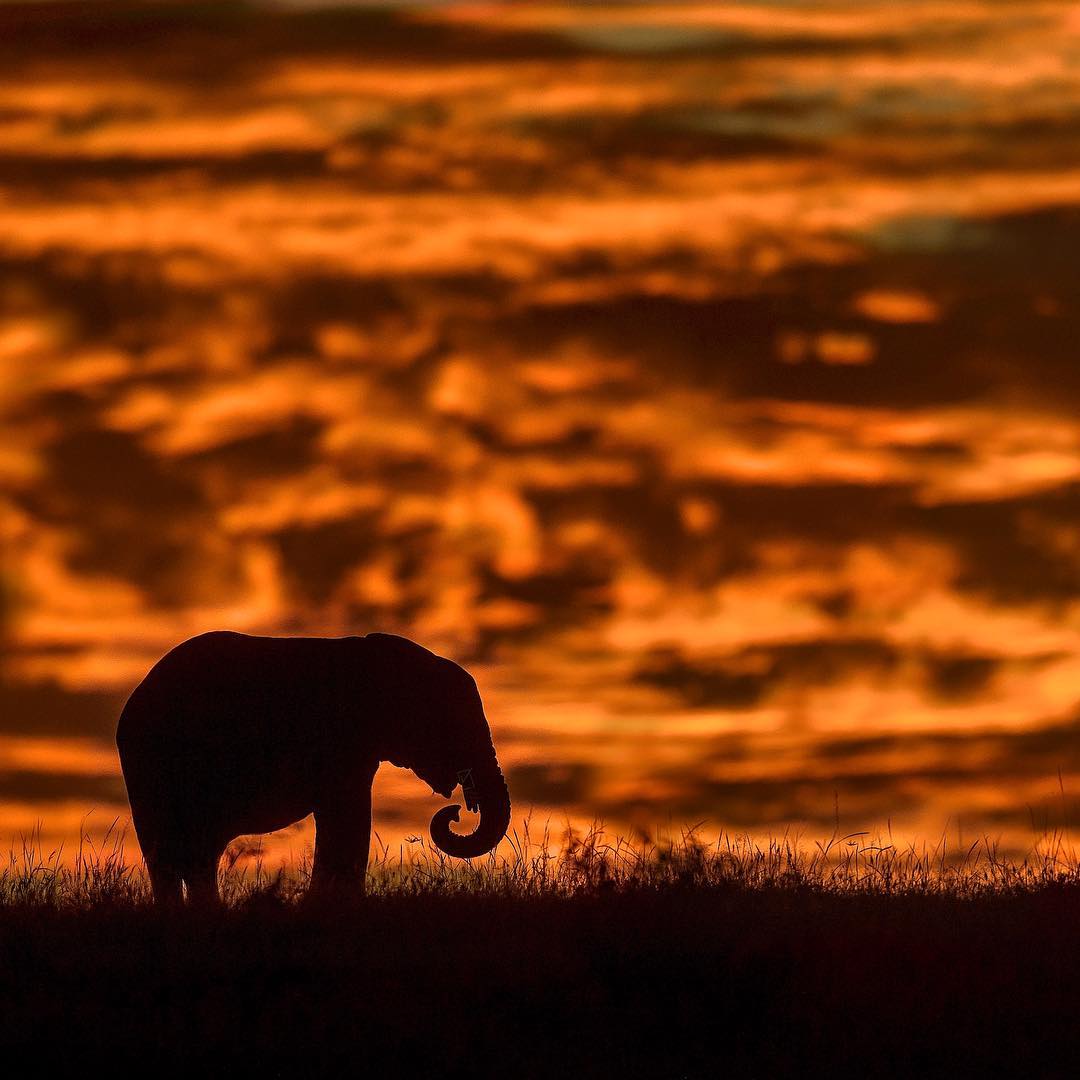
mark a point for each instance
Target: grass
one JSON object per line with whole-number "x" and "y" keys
{"x": 574, "y": 864}
{"x": 594, "y": 957}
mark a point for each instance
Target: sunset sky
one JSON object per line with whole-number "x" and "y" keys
{"x": 704, "y": 377}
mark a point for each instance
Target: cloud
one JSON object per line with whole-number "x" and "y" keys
{"x": 718, "y": 404}
{"x": 49, "y": 785}
{"x": 552, "y": 785}
{"x": 47, "y": 708}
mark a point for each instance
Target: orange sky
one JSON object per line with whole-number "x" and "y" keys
{"x": 701, "y": 376}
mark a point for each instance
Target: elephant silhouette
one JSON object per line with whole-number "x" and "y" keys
{"x": 230, "y": 734}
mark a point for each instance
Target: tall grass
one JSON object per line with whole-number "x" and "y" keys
{"x": 572, "y": 863}
{"x": 565, "y": 953}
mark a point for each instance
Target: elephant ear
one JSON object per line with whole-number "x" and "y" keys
{"x": 404, "y": 679}
{"x": 397, "y": 666}
{"x": 398, "y": 653}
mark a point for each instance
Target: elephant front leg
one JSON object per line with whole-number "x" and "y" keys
{"x": 342, "y": 841}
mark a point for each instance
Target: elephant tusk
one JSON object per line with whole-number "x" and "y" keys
{"x": 468, "y": 790}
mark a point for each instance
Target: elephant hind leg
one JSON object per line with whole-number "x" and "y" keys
{"x": 170, "y": 872}
{"x": 165, "y": 881}
{"x": 201, "y": 877}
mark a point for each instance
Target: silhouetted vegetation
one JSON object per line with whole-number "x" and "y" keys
{"x": 605, "y": 958}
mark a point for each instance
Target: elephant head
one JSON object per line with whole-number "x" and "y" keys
{"x": 436, "y": 726}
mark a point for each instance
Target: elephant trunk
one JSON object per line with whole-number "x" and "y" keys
{"x": 485, "y": 790}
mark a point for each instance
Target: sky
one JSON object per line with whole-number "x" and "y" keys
{"x": 703, "y": 377}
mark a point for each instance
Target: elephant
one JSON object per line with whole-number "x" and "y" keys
{"x": 230, "y": 734}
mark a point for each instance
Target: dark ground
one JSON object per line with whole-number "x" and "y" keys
{"x": 662, "y": 984}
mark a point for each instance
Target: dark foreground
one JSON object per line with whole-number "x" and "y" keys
{"x": 680, "y": 982}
